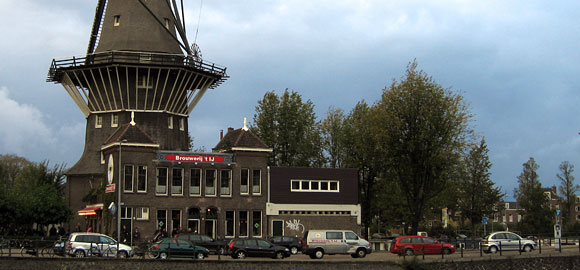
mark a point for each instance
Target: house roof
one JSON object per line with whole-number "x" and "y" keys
{"x": 241, "y": 140}
{"x": 130, "y": 134}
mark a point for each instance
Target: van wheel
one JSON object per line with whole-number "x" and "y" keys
{"x": 319, "y": 254}
{"x": 294, "y": 250}
{"x": 361, "y": 253}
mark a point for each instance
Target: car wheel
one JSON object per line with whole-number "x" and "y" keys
{"x": 528, "y": 248}
{"x": 361, "y": 253}
{"x": 240, "y": 255}
{"x": 294, "y": 250}
{"x": 493, "y": 249}
{"x": 319, "y": 254}
{"x": 409, "y": 252}
{"x": 79, "y": 254}
{"x": 163, "y": 256}
{"x": 446, "y": 251}
{"x": 123, "y": 255}
{"x": 200, "y": 256}
{"x": 279, "y": 255}
{"x": 221, "y": 251}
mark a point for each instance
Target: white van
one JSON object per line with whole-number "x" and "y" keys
{"x": 316, "y": 243}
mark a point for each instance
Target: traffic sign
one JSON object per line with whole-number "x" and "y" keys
{"x": 484, "y": 221}
{"x": 558, "y": 213}
{"x": 110, "y": 188}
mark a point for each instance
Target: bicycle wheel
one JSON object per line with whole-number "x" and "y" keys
{"x": 153, "y": 253}
{"x": 47, "y": 252}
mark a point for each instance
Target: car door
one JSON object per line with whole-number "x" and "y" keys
{"x": 252, "y": 248}
{"x": 430, "y": 246}
{"x": 513, "y": 240}
{"x": 417, "y": 244}
{"x": 501, "y": 241}
{"x": 266, "y": 248}
{"x": 352, "y": 241}
{"x": 108, "y": 246}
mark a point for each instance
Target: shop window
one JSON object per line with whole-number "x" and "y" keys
{"x": 98, "y": 121}
{"x": 195, "y": 182}
{"x": 244, "y": 181}
{"x": 256, "y": 182}
{"x": 230, "y": 228}
{"x": 128, "y": 183}
{"x": 177, "y": 181}
{"x": 257, "y": 223}
{"x": 193, "y": 218}
{"x": 162, "y": 218}
{"x": 161, "y": 188}
{"x": 226, "y": 182}
{"x": 141, "y": 178}
{"x": 210, "y": 185}
{"x": 243, "y": 223}
{"x": 114, "y": 120}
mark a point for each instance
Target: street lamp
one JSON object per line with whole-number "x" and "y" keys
{"x": 119, "y": 197}
{"x": 506, "y": 205}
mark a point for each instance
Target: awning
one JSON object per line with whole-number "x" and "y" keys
{"x": 89, "y": 211}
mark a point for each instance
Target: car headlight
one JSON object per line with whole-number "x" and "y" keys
{"x": 286, "y": 249}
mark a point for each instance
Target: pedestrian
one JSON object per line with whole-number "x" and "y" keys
{"x": 136, "y": 235}
{"x": 124, "y": 234}
{"x": 52, "y": 232}
{"x": 90, "y": 229}
{"x": 78, "y": 228}
{"x": 61, "y": 231}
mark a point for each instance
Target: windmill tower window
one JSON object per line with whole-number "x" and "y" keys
{"x": 182, "y": 124}
{"x": 114, "y": 120}
{"x": 117, "y": 20}
{"x": 98, "y": 121}
{"x": 166, "y": 23}
{"x": 143, "y": 83}
{"x": 170, "y": 122}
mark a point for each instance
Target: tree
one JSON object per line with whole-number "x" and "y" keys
{"x": 422, "y": 129}
{"x": 477, "y": 194}
{"x": 288, "y": 125}
{"x": 535, "y": 205}
{"x": 567, "y": 191}
{"x": 332, "y": 129}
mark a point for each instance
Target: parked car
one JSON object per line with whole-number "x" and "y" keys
{"x": 316, "y": 243}
{"x": 177, "y": 248}
{"x": 213, "y": 245}
{"x": 95, "y": 244}
{"x": 378, "y": 236}
{"x": 242, "y": 248}
{"x": 414, "y": 244}
{"x": 505, "y": 241}
{"x": 291, "y": 242}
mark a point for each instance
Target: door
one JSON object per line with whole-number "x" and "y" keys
{"x": 352, "y": 241}
{"x": 210, "y": 227}
{"x": 277, "y": 228}
{"x": 335, "y": 243}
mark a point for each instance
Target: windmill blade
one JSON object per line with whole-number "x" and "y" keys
{"x": 178, "y": 23}
{"x": 185, "y": 47}
{"x": 99, "y": 12}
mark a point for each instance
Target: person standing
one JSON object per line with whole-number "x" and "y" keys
{"x": 136, "y": 235}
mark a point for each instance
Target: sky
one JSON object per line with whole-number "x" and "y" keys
{"x": 515, "y": 62}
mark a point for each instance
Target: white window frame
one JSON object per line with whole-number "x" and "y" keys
{"x": 165, "y": 219}
{"x": 170, "y": 122}
{"x": 98, "y": 121}
{"x": 125, "y": 178}
{"x": 114, "y": 120}
{"x": 233, "y": 224}
{"x": 157, "y": 181}
{"x": 247, "y": 223}
{"x": 117, "y": 20}
{"x": 173, "y": 193}
{"x": 138, "y": 178}
{"x": 215, "y": 187}
{"x": 259, "y": 182}
{"x": 142, "y": 213}
{"x": 182, "y": 124}
{"x": 247, "y": 192}
{"x": 191, "y": 181}
{"x": 229, "y": 172}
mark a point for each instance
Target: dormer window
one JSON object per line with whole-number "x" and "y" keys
{"x": 117, "y": 20}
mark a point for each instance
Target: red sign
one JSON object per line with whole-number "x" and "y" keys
{"x": 187, "y": 158}
{"x": 110, "y": 188}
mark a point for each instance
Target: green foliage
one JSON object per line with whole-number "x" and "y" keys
{"x": 535, "y": 205}
{"x": 477, "y": 193}
{"x": 31, "y": 193}
{"x": 333, "y": 138}
{"x": 288, "y": 125}
{"x": 422, "y": 130}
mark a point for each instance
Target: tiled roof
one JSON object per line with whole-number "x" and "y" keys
{"x": 240, "y": 138}
{"x": 130, "y": 133}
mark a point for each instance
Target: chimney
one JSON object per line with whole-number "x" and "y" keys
{"x": 230, "y": 129}
{"x": 221, "y": 134}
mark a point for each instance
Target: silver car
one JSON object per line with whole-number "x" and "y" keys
{"x": 95, "y": 244}
{"x": 505, "y": 241}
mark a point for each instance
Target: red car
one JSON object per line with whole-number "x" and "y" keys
{"x": 410, "y": 245}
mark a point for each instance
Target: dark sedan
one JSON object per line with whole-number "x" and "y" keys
{"x": 169, "y": 248}
{"x": 214, "y": 246}
{"x": 242, "y": 248}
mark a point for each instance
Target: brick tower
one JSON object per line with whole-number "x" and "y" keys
{"x": 139, "y": 77}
